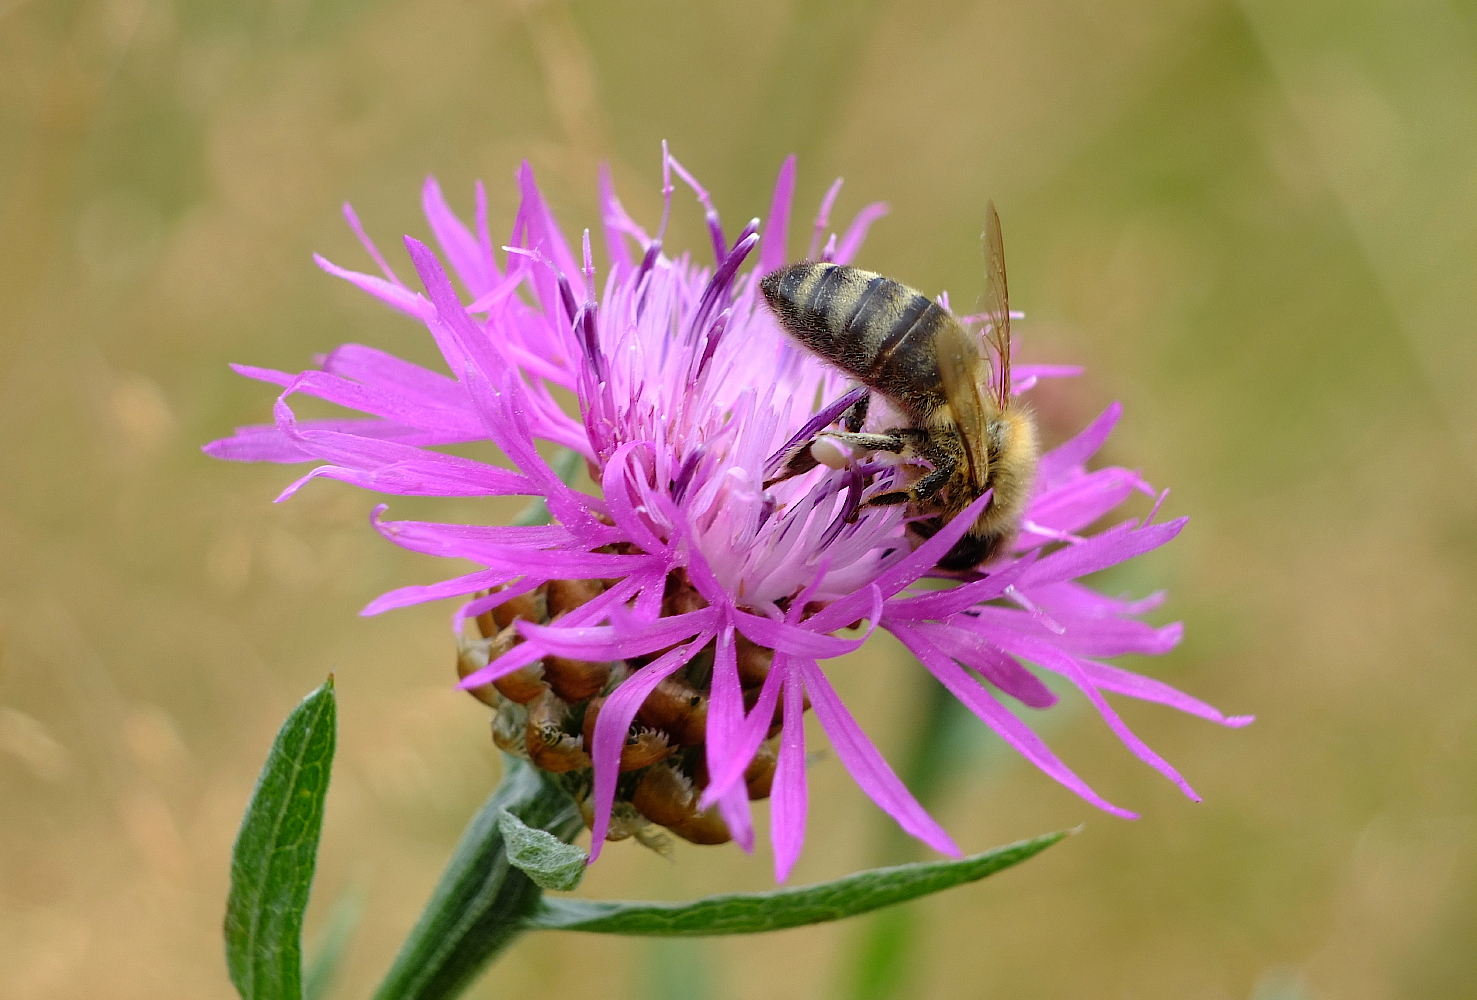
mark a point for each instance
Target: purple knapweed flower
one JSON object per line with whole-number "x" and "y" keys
{"x": 685, "y": 582}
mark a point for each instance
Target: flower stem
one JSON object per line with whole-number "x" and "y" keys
{"x": 479, "y": 906}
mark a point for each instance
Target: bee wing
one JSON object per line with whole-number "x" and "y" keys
{"x": 959, "y": 363}
{"x": 997, "y": 303}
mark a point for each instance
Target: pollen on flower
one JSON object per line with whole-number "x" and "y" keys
{"x": 659, "y": 644}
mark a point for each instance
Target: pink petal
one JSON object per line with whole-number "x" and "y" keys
{"x": 613, "y": 601}
{"x": 269, "y": 375}
{"x": 993, "y": 663}
{"x": 447, "y": 540}
{"x": 1022, "y": 372}
{"x": 502, "y": 290}
{"x": 402, "y": 480}
{"x": 995, "y": 715}
{"x": 615, "y": 721}
{"x": 1071, "y": 454}
{"x": 615, "y": 221}
{"x": 375, "y": 367}
{"x": 856, "y": 233}
{"x": 725, "y": 729}
{"x": 648, "y": 606}
{"x": 465, "y": 542}
{"x": 389, "y": 404}
{"x": 799, "y": 641}
{"x": 546, "y": 229}
{"x": 477, "y": 271}
{"x": 467, "y": 340}
{"x": 501, "y": 400}
{"x": 604, "y": 642}
{"x": 396, "y": 468}
{"x": 772, "y": 253}
{"x": 397, "y": 296}
{"x": 940, "y": 604}
{"x": 544, "y": 235}
{"x": 1078, "y": 503}
{"x": 900, "y": 574}
{"x": 455, "y": 587}
{"x": 1117, "y": 637}
{"x": 1109, "y": 678}
{"x": 823, "y": 218}
{"x": 1074, "y": 598}
{"x": 614, "y": 484}
{"x": 560, "y": 564}
{"x": 352, "y": 218}
{"x": 267, "y": 443}
{"x": 259, "y": 443}
{"x": 788, "y": 796}
{"x": 489, "y": 601}
{"x": 516, "y": 658}
{"x": 527, "y": 652}
{"x": 733, "y": 806}
{"x": 1102, "y": 550}
{"x": 726, "y": 769}
{"x": 1074, "y": 634}
{"x": 866, "y": 765}
{"x": 1048, "y": 656}
{"x": 505, "y": 417}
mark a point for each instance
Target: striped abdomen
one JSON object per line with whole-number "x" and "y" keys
{"x": 876, "y": 329}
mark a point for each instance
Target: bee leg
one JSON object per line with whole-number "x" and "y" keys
{"x": 891, "y": 442}
{"x": 800, "y": 462}
{"x": 924, "y": 489}
{"x": 928, "y": 487}
{"x": 889, "y": 499}
{"x": 856, "y": 415}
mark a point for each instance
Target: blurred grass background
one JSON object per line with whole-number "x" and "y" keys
{"x": 1253, "y": 221}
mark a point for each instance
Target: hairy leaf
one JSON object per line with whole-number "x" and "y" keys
{"x": 275, "y": 854}
{"x": 752, "y": 913}
{"x": 543, "y": 857}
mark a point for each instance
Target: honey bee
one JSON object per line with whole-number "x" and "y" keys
{"x": 910, "y": 350}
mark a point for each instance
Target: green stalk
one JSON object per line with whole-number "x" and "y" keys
{"x": 482, "y": 902}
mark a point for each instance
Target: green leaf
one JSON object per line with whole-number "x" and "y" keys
{"x": 275, "y": 853}
{"x": 482, "y": 902}
{"x": 751, "y": 913}
{"x": 549, "y": 861}
{"x": 328, "y": 950}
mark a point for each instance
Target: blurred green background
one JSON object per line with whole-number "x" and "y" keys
{"x": 1253, "y": 222}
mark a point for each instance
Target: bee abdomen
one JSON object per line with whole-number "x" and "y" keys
{"x": 872, "y": 327}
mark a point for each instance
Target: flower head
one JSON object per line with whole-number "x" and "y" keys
{"x": 660, "y": 643}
